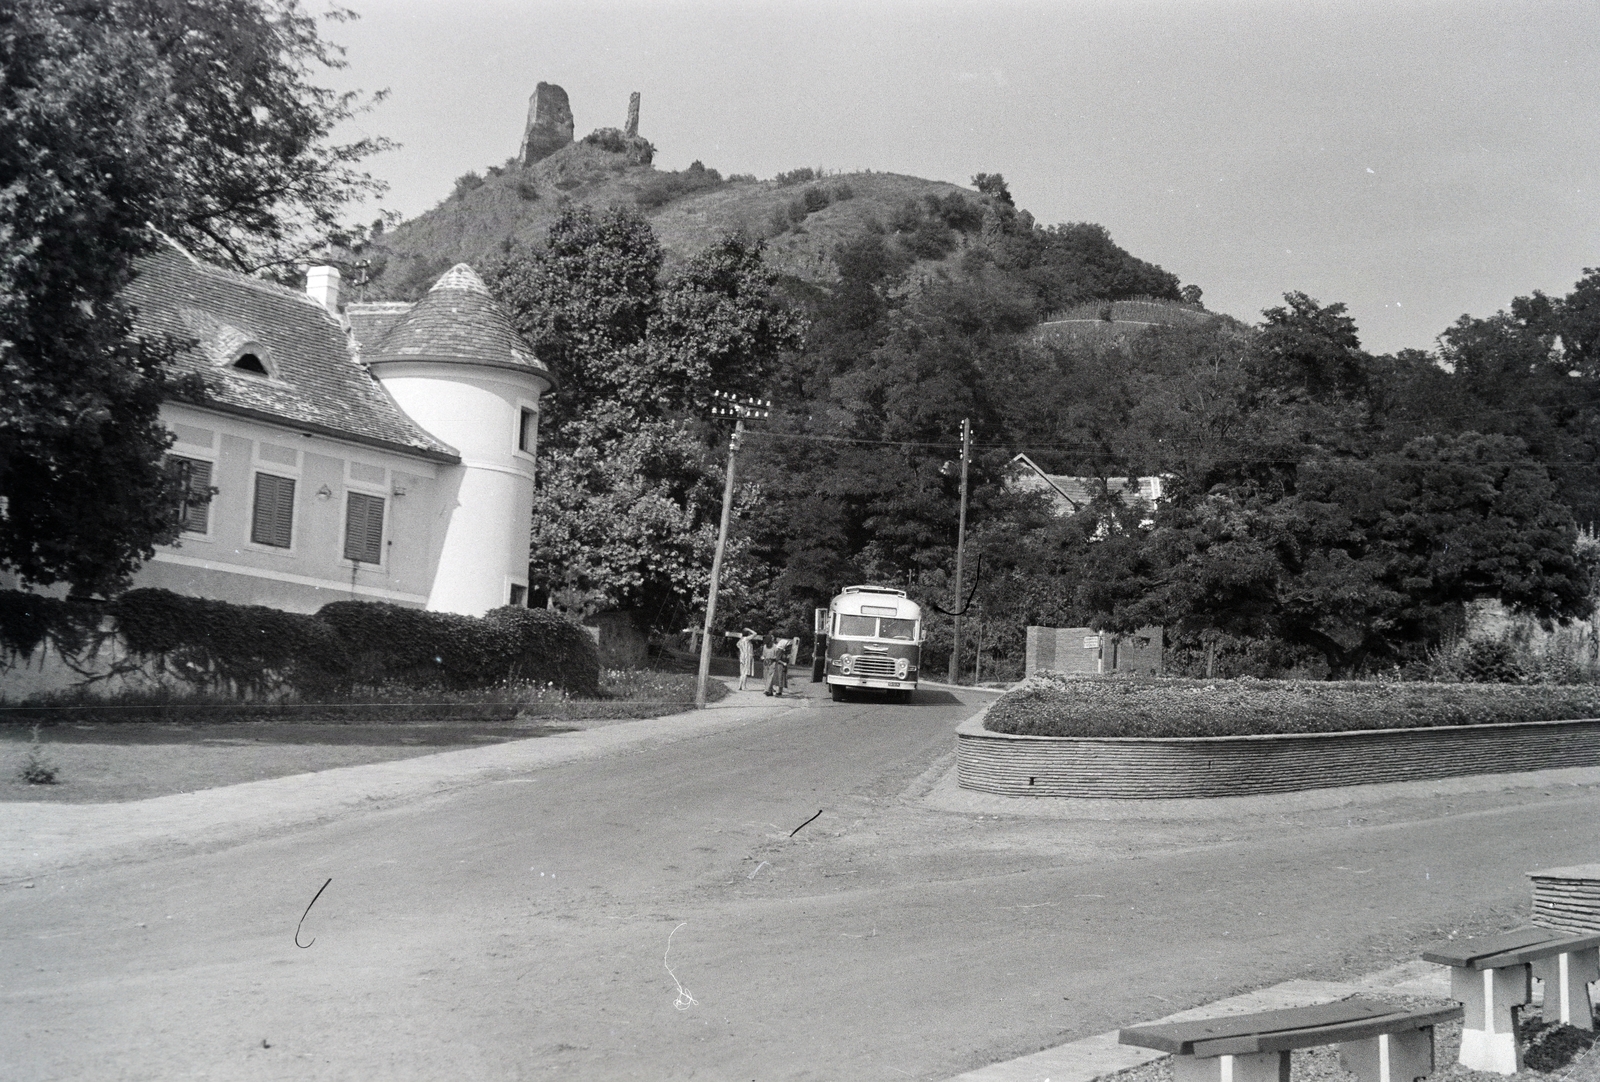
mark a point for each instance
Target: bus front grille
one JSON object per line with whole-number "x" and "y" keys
{"x": 873, "y": 665}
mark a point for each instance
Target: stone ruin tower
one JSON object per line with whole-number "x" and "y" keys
{"x": 549, "y": 124}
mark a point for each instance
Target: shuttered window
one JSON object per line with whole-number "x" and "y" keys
{"x": 194, "y": 506}
{"x": 273, "y": 520}
{"x": 363, "y": 528}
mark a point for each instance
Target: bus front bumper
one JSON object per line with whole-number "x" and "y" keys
{"x": 869, "y": 682}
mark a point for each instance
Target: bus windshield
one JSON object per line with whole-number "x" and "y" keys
{"x": 856, "y": 626}
{"x": 898, "y": 629}
{"x": 872, "y": 627}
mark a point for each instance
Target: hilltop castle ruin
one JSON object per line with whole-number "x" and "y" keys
{"x": 549, "y": 126}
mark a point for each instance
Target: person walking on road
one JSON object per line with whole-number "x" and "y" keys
{"x": 791, "y": 659}
{"x": 747, "y": 653}
{"x": 775, "y": 658}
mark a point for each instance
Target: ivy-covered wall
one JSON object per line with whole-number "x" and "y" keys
{"x": 257, "y": 652}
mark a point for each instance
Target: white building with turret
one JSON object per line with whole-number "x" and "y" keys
{"x": 379, "y": 452}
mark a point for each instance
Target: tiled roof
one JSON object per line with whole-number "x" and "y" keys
{"x": 458, "y": 321}
{"x": 371, "y": 320}
{"x": 314, "y": 383}
{"x": 1073, "y": 494}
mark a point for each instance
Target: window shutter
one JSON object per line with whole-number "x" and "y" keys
{"x": 197, "y": 503}
{"x": 194, "y": 512}
{"x": 273, "y": 521}
{"x": 363, "y": 528}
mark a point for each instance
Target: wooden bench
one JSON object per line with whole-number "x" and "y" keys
{"x": 1377, "y": 1042}
{"x": 1492, "y": 977}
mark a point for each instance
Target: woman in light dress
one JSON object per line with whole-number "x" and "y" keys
{"x": 747, "y": 653}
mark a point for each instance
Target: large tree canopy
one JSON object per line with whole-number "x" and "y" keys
{"x": 630, "y": 474}
{"x": 119, "y": 118}
{"x": 1367, "y": 559}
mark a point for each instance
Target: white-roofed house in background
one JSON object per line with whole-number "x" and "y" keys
{"x": 383, "y": 452}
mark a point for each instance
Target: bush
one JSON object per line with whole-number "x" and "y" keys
{"x": 412, "y": 648}
{"x": 932, "y": 239}
{"x": 797, "y": 176}
{"x": 37, "y": 768}
{"x": 1055, "y": 704}
{"x": 637, "y": 149}
{"x": 465, "y": 183}
{"x": 956, "y": 211}
{"x": 236, "y": 651}
{"x": 815, "y": 199}
{"x": 906, "y": 217}
{"x": 662, "y": 188}
{"x": 245, "y": 649}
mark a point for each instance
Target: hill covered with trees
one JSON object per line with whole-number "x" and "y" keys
{"x": 1329, "y": 510}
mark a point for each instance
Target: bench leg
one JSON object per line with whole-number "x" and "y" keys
{"x": 1566, "y": 980}
{"x": 1489, "y": 999}
{"x": 1255, "y": 1067}
{"x": 1390, "y": 1057}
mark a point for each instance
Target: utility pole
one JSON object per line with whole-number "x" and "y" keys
{"x": 961, "y": 544}
{"x": 728, "y": 406}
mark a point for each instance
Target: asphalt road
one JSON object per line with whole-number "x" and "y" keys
{"x": 521, "y": 929}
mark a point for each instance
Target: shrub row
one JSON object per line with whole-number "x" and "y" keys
{"x": 1056, "y": 704}
{"x": 387, "y": 644}
{"x": 622, "y": 694}
{"x": 262, "y": 652}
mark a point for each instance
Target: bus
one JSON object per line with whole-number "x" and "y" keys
{"x": 874, "y": 638}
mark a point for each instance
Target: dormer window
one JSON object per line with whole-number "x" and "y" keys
{"x": 251, "y": 357}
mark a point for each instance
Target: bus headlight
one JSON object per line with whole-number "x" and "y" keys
{"x": 901, "y": 667}
{"x": 846, "y": 663}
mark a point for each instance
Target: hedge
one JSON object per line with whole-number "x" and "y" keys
{"x": 215, "y": 644}
{"x": 249, "y": 650}
{"x": 388, "y": 644}
{"x": 1056, "y": 704}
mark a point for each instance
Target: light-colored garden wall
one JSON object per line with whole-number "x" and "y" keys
{"x": 1084, "y": 650}
{"x": 1164, "y": 767}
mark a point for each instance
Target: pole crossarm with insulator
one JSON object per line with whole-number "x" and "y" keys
{"x": 741, "y": 408}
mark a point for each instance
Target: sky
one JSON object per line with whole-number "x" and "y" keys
{"x": 1414, "y": 161}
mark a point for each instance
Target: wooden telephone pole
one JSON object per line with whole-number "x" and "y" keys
{"x": 728, "y": 406}
{"x": 961, "y": 544}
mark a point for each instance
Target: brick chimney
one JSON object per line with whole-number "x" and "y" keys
{"x": 322, "y": 286}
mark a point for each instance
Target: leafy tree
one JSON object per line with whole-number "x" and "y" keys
{"x": 115, "y": 115}
{"x": 629, "y": 497}
{"x": 1366, "y": 560}
{"x": 1531, "y": 373}
{"x": 1310, "y": 350}
{"x": 585, "y": 299}
{"x": 993, "y": 184}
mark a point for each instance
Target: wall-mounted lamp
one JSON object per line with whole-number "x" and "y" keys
{"x": 324, "y": 493}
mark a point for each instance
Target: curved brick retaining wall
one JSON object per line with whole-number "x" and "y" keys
{"x": 1150, "y": 767}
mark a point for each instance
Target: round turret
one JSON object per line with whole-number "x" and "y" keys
{"x": 455, "y": 364}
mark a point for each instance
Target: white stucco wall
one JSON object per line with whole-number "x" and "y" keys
{"x": 484, "y": 550}
{"x": 225, "y": 564}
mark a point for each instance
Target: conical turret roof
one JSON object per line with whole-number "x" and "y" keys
{"x": 458, "y": 322}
